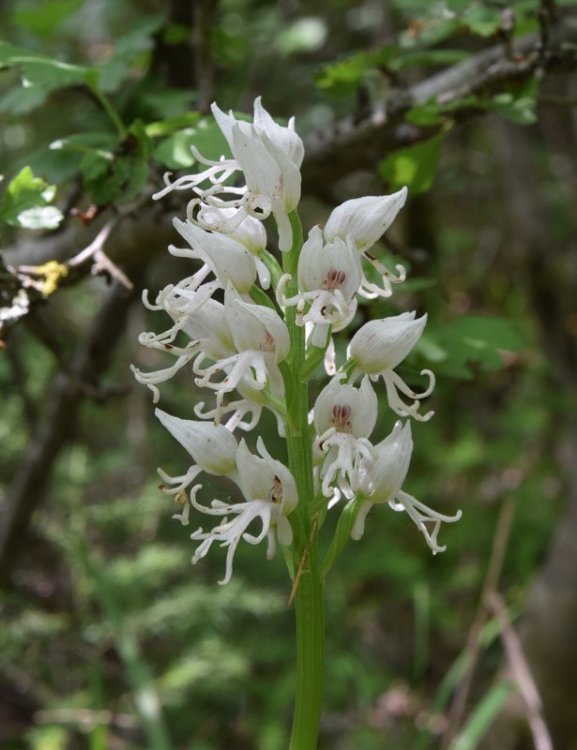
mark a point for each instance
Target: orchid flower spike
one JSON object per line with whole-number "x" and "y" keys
{"x": 255, "y": 329}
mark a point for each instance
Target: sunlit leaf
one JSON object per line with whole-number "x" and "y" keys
{"x": 481, "y": 20}
{"x": 471, "y": 341}
{"x": 40, "y": 217}
{"x": 414, "y": 166}
{"x": 521, "y": 111}
{"x": 25, "y": 202}
{"x": 175, "y": 153}
{"x": 44, "y": 19}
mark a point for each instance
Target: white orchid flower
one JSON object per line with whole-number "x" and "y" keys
{"x": 212, "y": 448}
{"x": 202, "y": 320}
{"x": 344, "y": 417}
{"x": 378, "y": 479}
{"x": 379, "y": 346}
{"x": 270, "y": 495}
{"x": 245, "y": 412}
{"x": 228, "y": 259}
{"x": 261, "y": 341}
{"x": 235, "y": 223}
{"x": 329, "y": 275}
{"x": 365, "y": 220}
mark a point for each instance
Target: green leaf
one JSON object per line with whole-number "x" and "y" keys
{"x": 434, "y": 113}
{"x": 113, "y": 176}
{"x": 429, "y": 31}
{"x": 414, "y": 166}
{"x": 97, "y": 139}
{"x": 175, "y": 153}
{"x": 21, "y": 100}
{"x": 139, "y": 38}
{"x": 169, "y": 104}
{"x": 482, "y": 21}
{"x": 45, "y": 19}
{"x": 344, "y": 76}
{"x": 38, "y": 70}
{"x": 521, "y": 110}
{"x": 25, "y": 203}
{"x": 40, "y": 75}
{"x": 428, "y": 57}
{"x": 470, "y": 341}
{"x": 171, "y": 125}
{"x": 483, "y": 716}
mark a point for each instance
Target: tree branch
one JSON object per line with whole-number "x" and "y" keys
{"x": 34, "y": 472}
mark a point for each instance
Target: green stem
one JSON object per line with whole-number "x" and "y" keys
{"x": 109, "y": 109}
{"x": 309, "y": 600}
{"x": 310, "y": 627}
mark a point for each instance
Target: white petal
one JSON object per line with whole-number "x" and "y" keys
{"x": 228, "y": 259}
{"x": 256, "y": 327}
{"x": 380, "y": 345}
{"x": 379, "y": 479}
{"x": 211, "y": 446}
{"x": 285, "y": 139}
{"x": 366, "y": 219}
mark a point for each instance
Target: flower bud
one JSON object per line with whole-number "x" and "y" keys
{"x": 381, "y": 345}
{"x": 212, "y": 447}
{"x": 365, "y": 219}
{"x": 270, "y": 157}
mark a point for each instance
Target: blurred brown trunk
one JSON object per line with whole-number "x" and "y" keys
{"x": 549, "y": 625}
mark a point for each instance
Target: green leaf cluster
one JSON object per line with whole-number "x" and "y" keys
{"x": 26, "y": 203}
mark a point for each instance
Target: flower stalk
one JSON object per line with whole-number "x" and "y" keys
{"x": 254, "y": 326}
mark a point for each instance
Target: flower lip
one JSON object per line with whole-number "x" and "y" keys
{"x": 264, "y": 478}
{"x": 346, "y": 408}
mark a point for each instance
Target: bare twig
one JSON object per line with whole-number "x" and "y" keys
{"x": 101, "y": 262}
{"x": 522, "y": 674}
{"x": 204, "y": 12}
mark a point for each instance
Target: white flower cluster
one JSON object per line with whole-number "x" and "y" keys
{"x": 226, "y": 326}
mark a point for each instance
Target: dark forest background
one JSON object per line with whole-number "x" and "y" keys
{"x": 109, "y": 638}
